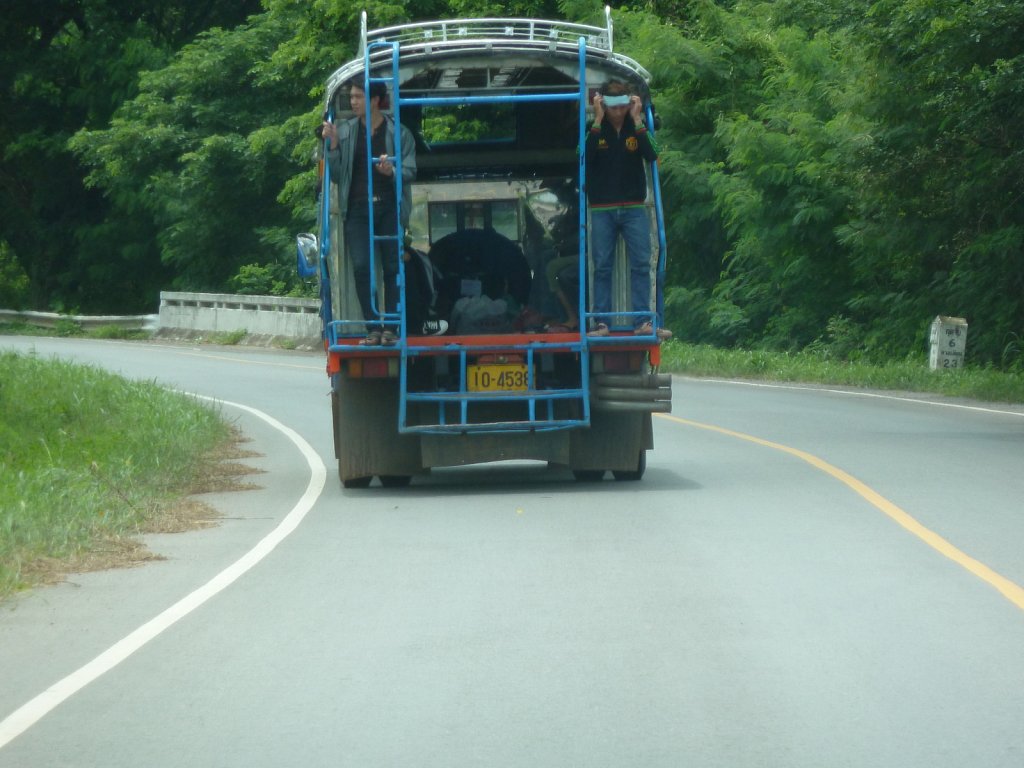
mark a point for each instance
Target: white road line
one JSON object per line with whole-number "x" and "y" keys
{"x": 29, "y": 714}
{"x": 855, "y": 393}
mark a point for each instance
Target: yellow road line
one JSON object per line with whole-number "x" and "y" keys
{"x": 1008, "y": 589}
{"x": 249, "y": 361}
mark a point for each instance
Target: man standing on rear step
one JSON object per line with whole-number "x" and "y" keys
{"x": 617, "y": 146}
{"x": 347, "y": 161}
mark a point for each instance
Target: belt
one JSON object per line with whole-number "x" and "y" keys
{"x": 377, "y": 200}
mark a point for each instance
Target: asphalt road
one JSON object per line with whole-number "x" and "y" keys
{"x": 803, "y": 578}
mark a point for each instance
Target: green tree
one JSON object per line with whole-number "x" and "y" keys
{"x": 938, "y": 225}
{"x": 831, "y": 169}
{"x": 13, "y": 280}
{"x": 202, "y": 151}
{"x": 65, "y": 65}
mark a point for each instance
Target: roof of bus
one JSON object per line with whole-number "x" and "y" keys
{"x": 491, "y": 55}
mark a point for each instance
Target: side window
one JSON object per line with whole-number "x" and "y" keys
{"x": 505, "y": 218}
{"x": 443, "y": 220}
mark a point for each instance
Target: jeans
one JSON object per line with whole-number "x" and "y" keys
{"x": 605, "y": 228}
{"x": 357, "y": 236}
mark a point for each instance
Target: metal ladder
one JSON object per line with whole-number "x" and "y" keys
{"x": 539, "y": 404}
{"x": 396, "y": 319}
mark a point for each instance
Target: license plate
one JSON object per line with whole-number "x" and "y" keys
{"x": 511, "y": 377}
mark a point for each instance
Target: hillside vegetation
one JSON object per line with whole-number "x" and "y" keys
{"x": 833, "y": 169}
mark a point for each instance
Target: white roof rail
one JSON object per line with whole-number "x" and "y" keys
{"x": 426, "y": 43}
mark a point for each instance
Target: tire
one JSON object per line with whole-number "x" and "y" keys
{"x": 632, "y": 474}
{"x": 588, "y": 475}
{"x": 357, "y": 482}
{"x": 395, "y": 481}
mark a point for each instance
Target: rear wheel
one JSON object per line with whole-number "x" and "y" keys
{"x": 395, "y": 481}
{"x": 632, "y": 474}
{"x": 357, "y": 482}
{"x": 588, "y": 475}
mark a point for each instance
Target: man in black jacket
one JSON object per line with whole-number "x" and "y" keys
{"x": 617, "y": 146}
{"x": 347, "y": 161}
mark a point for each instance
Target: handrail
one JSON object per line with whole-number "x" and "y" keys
{"x": 492, "y": 29}
{"x": 431, "y": 39}
{"x": 659, "y": 273}
{"x": 399, "y": 236}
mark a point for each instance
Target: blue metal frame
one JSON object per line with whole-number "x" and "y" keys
{"x": 659, "y": 275}
{"x": 531, "y": 397}
{"x": 539, "y": 403}
{"x": 399, "y": 238}
{"x": 326, "y": 306}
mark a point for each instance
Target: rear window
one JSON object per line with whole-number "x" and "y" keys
{"x": 499, "y": 215}
{"x": 468, "y": 123}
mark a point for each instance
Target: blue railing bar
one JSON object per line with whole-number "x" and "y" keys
{"x": 582, "y": 211}
{"x": 531, "y": 380}
{"x": 638, "y": 314}
{"x": 403, "y": 380}
{"x": 386, "y": 319}
{"x": 510, "y": 348}
{"x": 464, "y": 406}
{"x": 369, "y": 179}
{"x": 659, "y": 278}
{"x": 435, "y": 101}
{"x": 399, "y": 237}
{"x": 502, "y": 427}
{"x": 451, "y": 349}
{"x": 326, "y": 308}
{"x": 537, "y": 394}
{"x": 399, "y": 182}
{"x": 335, "y": 346}
{"x": 581, "y": 207}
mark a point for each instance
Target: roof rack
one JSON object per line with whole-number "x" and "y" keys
{"x": 427, "y": 41}
{"x": 502, "y": 32}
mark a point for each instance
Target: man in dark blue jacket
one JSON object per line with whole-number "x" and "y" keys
{"x": 617, "y": 146}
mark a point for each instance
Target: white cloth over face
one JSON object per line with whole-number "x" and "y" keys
{"x": 616, "y": 101}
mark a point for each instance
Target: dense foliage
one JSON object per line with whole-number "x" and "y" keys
{"x": 838, "y": 174}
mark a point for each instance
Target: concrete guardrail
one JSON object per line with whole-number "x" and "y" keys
{"x": 53, "y": 319}
{"x": 228, "y": 313}
{"x": 201, "y": 312}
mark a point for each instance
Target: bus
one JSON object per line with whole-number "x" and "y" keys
{"x": 498, "y": 109}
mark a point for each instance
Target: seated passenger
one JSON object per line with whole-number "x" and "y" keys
{"x": 563, "y": 279}
{"x": 492, "y": 311}
{"x": 421, "y": 280}
{"x": 473, "y": 255}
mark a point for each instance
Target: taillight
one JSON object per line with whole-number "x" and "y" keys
{"x": 617, "y": 362}
{"x": 372, "y": 367}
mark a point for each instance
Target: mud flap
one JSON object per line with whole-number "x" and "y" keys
{"x": 614, "y": 441}
{"x": 366, "y": 438}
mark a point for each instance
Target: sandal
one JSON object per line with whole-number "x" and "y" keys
{"x": 646, "y": 329}
{"x": 372, "y": 339}
{"x": 388, "y": 339}
{"x": 599, "y": 330}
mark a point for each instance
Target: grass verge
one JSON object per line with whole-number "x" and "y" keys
{"x": 910, "y": 375}
{"x": 89, "y": 459}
